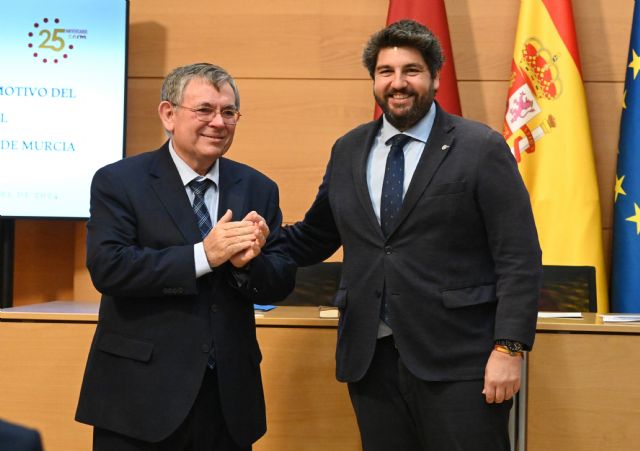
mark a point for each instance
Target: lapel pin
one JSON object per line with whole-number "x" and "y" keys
{"x": 445, "y": 147}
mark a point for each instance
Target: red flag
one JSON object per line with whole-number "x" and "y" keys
{"x": 433, "y": 15}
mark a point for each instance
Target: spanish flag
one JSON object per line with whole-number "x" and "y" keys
{"x": 547, "y": 127}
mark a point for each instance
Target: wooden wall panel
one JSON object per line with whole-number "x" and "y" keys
{"x": 83, "y": 289}
{"x": 483, "y": 32}
{"x": 323, "y": 39}
{"x": 144, "y": 130}
{"x": 41, "y": 371}
{"x": 569, "y": 374}
{"x": 603, "y": 28}
{"x": 44, "y": 255}
{"x": 307, "y": 409}
{"x": 269, "y": 39}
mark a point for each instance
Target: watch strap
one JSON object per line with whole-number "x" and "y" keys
{"x": 506, "y": 350}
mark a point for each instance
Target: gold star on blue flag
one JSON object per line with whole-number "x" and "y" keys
{"x": 625, "y": 271}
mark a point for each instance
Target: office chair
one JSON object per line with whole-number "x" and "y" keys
{"x": 568, "y": 289}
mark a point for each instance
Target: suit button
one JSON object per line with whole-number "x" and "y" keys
{"x": 388, "y": 250}
{"x": 214, "y": 308}
{"x": 205, "y": 349}
{"x": 378, "y": 293}
{"x": 255, "y": 290}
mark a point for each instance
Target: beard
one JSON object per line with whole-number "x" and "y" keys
{"x": 406, "y": 118}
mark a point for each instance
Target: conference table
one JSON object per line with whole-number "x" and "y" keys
{"x": 581, "y": 391}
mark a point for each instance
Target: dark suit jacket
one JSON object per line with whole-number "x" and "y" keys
{"x": 18, "y": 438}
{"x": 461, "y": 268}
{"x": 157, "y": 321}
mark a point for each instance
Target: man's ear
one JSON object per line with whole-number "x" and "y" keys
{"x": 167, "y": 115}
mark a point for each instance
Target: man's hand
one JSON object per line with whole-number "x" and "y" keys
{"x": 228, "y": 238}
{"x": 501, "y": 377}
{"x": 261, "y": 232}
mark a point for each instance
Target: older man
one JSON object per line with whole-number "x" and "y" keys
{"x": 181, "y": 243}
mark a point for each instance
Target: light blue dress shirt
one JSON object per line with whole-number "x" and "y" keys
{"x": 377, "y": 159}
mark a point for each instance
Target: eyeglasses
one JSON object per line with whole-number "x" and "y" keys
{"x": 229, "y": 116}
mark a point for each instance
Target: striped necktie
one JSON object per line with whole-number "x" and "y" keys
{"x": 199, "y": 207}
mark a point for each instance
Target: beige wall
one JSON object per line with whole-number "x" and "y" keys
{"x": 297, "y": 63}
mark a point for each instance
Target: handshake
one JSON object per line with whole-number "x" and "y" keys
{"x": 236, "y": 241}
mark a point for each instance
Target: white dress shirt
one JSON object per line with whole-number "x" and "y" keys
{"x": 211, "y": 197}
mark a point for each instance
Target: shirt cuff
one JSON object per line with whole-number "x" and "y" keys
{"x": 200, "y": 258}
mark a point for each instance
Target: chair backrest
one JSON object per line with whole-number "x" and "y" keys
{"x": 568, "y": 289}
{"x": 564, "y": 288}
{"x": 315, "y": 284}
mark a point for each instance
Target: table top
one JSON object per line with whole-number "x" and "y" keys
{"x": 590, "y": 322}
{"x": 79, "y": 311}
{"x": 53, "y": 311}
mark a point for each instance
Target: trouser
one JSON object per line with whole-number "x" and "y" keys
{"x": 396, "y": 411}
{"x": 204, "y": 429}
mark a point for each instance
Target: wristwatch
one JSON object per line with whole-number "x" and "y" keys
{"x": 511, "y": 347}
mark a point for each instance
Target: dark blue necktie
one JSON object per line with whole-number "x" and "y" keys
{"x": 391, "y": 200}
{"x": 199, "y": 207}
{"x": 205, "y": 226}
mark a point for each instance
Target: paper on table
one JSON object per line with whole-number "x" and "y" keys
{"x": 559, "y": 314}
{"x": 328, "y": 312}
{"x": 620, "y": 317}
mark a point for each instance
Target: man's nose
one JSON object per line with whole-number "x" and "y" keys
{"x": 216, "y": 120}
{"x": 399, "y": 80}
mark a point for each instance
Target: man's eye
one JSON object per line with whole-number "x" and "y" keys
{"x": 204, "y": 110}
{"x": 228, "y": 114}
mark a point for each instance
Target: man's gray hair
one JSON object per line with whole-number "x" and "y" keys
{"x": 174, "y": 84}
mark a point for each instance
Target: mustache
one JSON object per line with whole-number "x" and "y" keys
{"x": 407, "y": 91}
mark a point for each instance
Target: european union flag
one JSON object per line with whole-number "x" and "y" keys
{"x": 625, "y": 276}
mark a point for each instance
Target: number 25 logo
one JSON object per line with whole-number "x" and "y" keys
{"x": 50, "y": 39}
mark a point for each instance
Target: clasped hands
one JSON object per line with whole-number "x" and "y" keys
{"x": 236, "y": 241}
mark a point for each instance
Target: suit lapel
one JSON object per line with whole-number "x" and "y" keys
{"x": 168, "y": 186}
{"x": 231, "y": 195}
{"x": 359, "y": 165}
{"x": 438, "y": 146}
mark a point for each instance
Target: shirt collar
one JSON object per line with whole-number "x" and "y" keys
{"x": 187, "y": 174}
{"x": 419, "y": 132}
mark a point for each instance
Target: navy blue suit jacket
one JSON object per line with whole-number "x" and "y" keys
{"x": 158, "y": 322}
{"x": 461, "y": 267}
{"x": 18, "y": 438}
